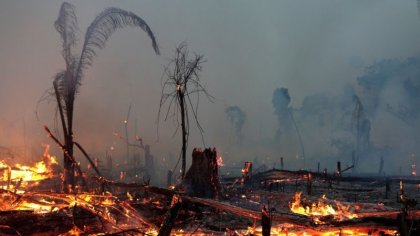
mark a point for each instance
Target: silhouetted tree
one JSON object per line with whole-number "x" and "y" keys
{"x": 361, "y": 127}
{"x": 183, "y": 80}
{"x": 281, "y": 100}
{"x": 237, "y": 118}
{"x": 68, "y": 81}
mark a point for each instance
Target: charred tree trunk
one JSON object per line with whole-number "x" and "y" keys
{"x": 69, "y": 178}
{"x": 184, "y": 132}
{"x": 265, "y": 222}
{"x": 68, "y": 181}
{"x": 202, "y": 179}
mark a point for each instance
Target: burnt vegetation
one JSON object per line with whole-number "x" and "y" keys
{"x": 67, "y": 82}
{"x": 355, "y": 197}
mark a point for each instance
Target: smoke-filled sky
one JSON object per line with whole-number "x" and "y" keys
{"x": 251, "y": 48}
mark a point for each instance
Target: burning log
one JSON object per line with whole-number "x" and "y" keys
{"x": 202, "y": 179}
{"x": 300, "y": 175}
{"x": 68, "y": 156}
{"x": 382, "y": 220}
{"x": 222, "y": 206}
{"x": 168, "y": 223}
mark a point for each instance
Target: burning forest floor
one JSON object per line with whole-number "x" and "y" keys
{"x": 294, "y": 202}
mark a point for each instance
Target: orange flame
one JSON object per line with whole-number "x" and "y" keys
{"x": 18, "y": 177}
{"x": 220, "y": 161}
{"x": 321, "y": 208}
{"x": 287, "y": 229}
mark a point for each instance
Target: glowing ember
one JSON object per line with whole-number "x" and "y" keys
{"x": 294, "y": 230}
{"x": 320, "y": 209}
{"x": 246, "y": 172}
{"x": 75, "y": 231}
{"x": 220, "y": 161}
{"x": 413, "y": 170}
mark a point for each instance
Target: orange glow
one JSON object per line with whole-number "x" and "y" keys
{"x": 18, "y": 177}
{"x": 220, "y": 161}
{"x": 293, "y": 230}
{"x": 317, "y": 210}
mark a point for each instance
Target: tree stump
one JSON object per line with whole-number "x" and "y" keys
{"x": 202, "y": 178}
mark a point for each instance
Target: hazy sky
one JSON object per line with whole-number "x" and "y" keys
{"x": 251, "y": 47}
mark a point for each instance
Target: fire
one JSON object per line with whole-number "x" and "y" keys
{"x": 320, "y": 209}
{"x": 18, "y": 177}
{"x": 294, "y": 230}
{"x": 220, "y": 161}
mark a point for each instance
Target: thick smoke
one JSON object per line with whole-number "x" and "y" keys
{"x": 393, "y": 85}
{"x": 237, "y": 118}
{"x": 361, "y": 129}
{"x": 281, "y": 100}
{"x": 325, "y": 122}
{"x": 377, "y": 119}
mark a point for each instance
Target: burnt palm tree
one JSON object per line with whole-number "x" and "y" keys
{"x": 67, "y": 82}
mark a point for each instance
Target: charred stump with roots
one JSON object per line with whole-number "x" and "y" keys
{"x": 202, "y": 179}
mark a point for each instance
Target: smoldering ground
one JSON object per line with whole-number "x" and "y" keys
{"x": 318, "y": 50}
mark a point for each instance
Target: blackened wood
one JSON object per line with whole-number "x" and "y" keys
{"x": 168, "y": 223}
{"x": 338, "y": 168}
{"x": 88, "y": 158}
{"x": 68, "y": 155}
{"x": 247, "y": 174}
{"x": 265, "y": 222}
{"x": 309, "y": 184}
{"x": 402, "y": 224}
{"x": 274, "y": 174}
{"x": 60, "y": 109}
{"x": 202, "y": 178}
{"x": 169, "y": 178}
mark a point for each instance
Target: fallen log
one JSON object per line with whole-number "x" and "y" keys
{"x": 168, "y": 223}
{"x": 382, "y": 219}
{"x": 223, "y": 206}
{"x": 412, "y": 215}
{"x": 275, "y": 174}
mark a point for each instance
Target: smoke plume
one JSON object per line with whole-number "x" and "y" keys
{"x": 237, "y": 118}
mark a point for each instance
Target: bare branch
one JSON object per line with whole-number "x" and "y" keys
{"x": 183, "y": 80}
